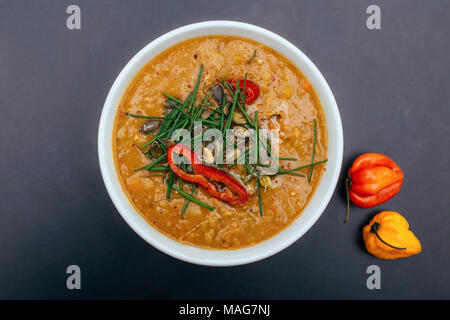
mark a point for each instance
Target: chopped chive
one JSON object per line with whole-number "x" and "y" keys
{"x": 257, "y": 136}
{"x": 303, "y": 167}
{"x": 314, "y": 151}
{"x": 181, "y": 110}
{"x": 159, "y": 140}
{"x": 158, "y": 169}
{"x": 214, "y": 123}
{"x": 250, "y": 215}
{"x": 188, "y": 196}
{"x": 258, "y": 184}
{"x": 296, "y": 174}
{"x": 243, "y": 87}
{"x": 200, "y": 109}
{"x": 270, "y": 154}
{"x": 171, "y": 120}
{"x": 143, "y": 117}
{"x": 142, "y": 151}
{"x": 230, "y": 115}
{"x": 153, "y": 168}
{"x": 188, "y": 201}
{"x": 222, "y": 113}
{"x": 253, "y": 56}
{"x": 164, "y": 199}
{"x": 149, "y": 166}
{"x": 169, "y": 185}
{"x": 199, "y": 76}
{"x": 158, "y": 160}
{"x": 264, "y": 165}
{"x": 185, "y": 104}
{"x": 244, "y": 112}
{"x": 180, "y": 130}
{"x": 186, "y": 205}
{"x": 247, "y": 166}
{"x": 155, "y": 175}
{"x": 180, "y": 183}
{"x": 172, "y": 98}
{"x": 151, "y": 141}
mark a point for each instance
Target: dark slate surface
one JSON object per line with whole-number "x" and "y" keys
{"x": 392, "y": 89}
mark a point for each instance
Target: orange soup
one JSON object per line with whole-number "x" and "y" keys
{"x": 226, "y": 84}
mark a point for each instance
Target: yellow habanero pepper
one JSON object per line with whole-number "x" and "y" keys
{"x": 387, "y": 236}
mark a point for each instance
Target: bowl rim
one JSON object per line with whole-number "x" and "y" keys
{"x": 197, "y": 255}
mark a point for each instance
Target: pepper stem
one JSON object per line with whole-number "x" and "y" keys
{"x": 348, "y": 183}
{"x": 374, "y": 229}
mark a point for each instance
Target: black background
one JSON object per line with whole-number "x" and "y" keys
{"x": 392, "y": 88}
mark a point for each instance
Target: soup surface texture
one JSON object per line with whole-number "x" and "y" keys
{"x": 286, "y": 103}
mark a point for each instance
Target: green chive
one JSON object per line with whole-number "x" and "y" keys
{"x": 158, "y": 169}
{"x": 155, "y": 175}
{"x": 253, "y": 56}
{"x": 143, "y": 117}
{"x": 257, "y": 136}
{"x": 250, "y": 216}
{"x": 230, "y": 115}
{"x": 199, "y": 76}
{"x": 303, "y": 167}
{"x": 258, "y": 184}
{"x": 159, "y": 140}
{"x": 296, "y": 174}
{"x": 314, "y": 150}
{"x": 169, "y": 184}
{"x": 149, "y": 166}
{"x": 188, "y": 196}
{"x": 214, "y": 123}
{"x": 172, "y": 98}
{"x": 222, "y": 113}
{"x": 244, "y": 112}
{"x": 188, "y": 201}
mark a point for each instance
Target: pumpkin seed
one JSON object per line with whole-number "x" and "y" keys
{"x": 241, "y": 132}
{"x": 206, "y": 114}
{"x": 169, "y": 104}
{"x": 207, "y": 156}
{"x": 227, "y": 108}
{"x": 267, "y": 171}
{"x": 217, "y": 91}
{"x": 150, "y": 126}
{"x": 156, "y": 150}
{"x": 238, "y": 118}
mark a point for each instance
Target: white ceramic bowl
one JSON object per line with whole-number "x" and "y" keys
{"x": 221, "y": 257}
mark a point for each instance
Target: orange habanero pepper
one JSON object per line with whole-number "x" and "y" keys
{"x": 387, "y": 236}
{"x": 373, "y": 179}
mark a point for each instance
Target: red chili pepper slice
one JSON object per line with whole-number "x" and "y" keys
{"x": 235, "y": 193}
{"x": 251, "y": 91}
